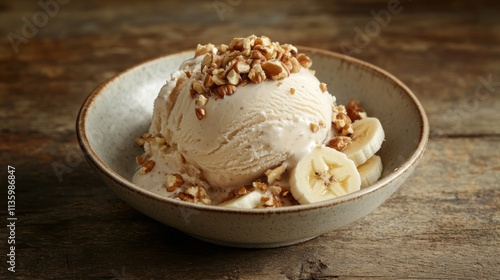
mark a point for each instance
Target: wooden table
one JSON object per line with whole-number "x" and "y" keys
{"x": 444, "y": 223}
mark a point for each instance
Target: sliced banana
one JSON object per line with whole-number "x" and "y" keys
{"x": 323, "y": 174}
{"x": 366, "y": 140}
{"x": 370, "y": 171}
{"x": 247, "y": 201}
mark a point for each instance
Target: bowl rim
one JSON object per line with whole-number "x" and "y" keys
{"x": 105, "y": 170}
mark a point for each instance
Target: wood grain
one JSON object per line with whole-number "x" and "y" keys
{"x": 444, "y": 223}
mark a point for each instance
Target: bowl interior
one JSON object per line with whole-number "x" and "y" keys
{"x": 120, "y": 110}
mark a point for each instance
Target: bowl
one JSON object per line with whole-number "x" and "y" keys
{"x": 120, "y": 109}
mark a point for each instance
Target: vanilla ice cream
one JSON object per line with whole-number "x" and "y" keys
{"x": 232, "y": 113}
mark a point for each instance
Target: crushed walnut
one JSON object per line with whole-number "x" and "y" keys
{"x": 355, "y": 111}
{"x": 173, "y": 182}
{"x": 341, "y": 121}
{"x": 339, "y": 143}
{"x": 147, "y": 167}
{"x": 195, "y": 194}
{"x": 245, "y": 60}
{"x": 238, "y": 192}
{"x": 323, "y": 87}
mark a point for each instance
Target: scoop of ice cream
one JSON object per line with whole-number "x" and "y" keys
{"x": 240, "y": 136}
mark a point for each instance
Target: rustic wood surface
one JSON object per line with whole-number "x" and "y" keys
{"x": 444, "y": 223}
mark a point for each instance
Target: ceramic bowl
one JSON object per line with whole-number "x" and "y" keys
{"x": 120, "y": 110}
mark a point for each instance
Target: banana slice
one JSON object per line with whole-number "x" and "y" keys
{"x": 247, "y": 201}
{"x": 366, "y": 140}
{"x": 370, "y": 171}
{"x": 323, "y": 174}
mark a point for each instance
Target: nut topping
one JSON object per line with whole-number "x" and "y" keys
{"x": 274, "y": 69}
{"x": 223, "y": 90}
{"x": 323, "y": 88}
{"x": 233, "y": 77}
{"x": 201, "y": 100}
{"x": 174, "y": 181}
{"x": 314, "y": 127}
{"x": 339, "y": 143}
{"x": 140, "y": 159}
{"x": 195, "y": 194}
{"x": 147, "y": 167}
{"x": 245, "y": 60}
{"x": 256, "y": 74}
{"x": 140, "y": 141}
{"x": 355, "y": 111}
{"x": 200, "y": 113}
{"x": 260, "y": 185}
{"x": 304, "y": 60}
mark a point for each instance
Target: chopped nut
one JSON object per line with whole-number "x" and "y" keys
{"x": 140, "y": 159}
{"x": 256, "y": 74}
{"x": 322, "y": 86}
{"x": 201, "y": 100}
{"x": 244, "y": 81}
{"x": 269, "y": 52}
{"x": 236, "y": 44}
{"x": 223, "y": 90}
{"x": 233, "y": 77}
{"x": 347, "y": 131}
{"x": 140, "y": 141}
{"x": 270, "y": 201}
{"x": 200, "y": 113}
{"x": 257, "y": 55}
{"x": 218, "y": 80}
{"x": 322, "y": 123}
{"x": 304, "y": 60}
{"x": 203, "y": 197}
{"x": 275, "y": 174}
{"x": 207, "y": 59}
{"x": 195, "y": 194}
{"x": 274, "y": 69}
{"x": 267, "y": 201}
{"x": 240, "y": 191}
{"x": 147, "y": 167}
{"x": 288, "y": 64}
{"x": 285, "y": 192}
{"x": 192, "y": 191}
{"x": 248, "y": 59}
{"x": 216, "y": 61}
{"x": 174, "y": 181}
{"x": 192, "y": 92}
{"x": 276, "y": 190}
{"x": 295, "y": 65}
{"x": 355, "y": 111}
{"x": 339, "y": 143}
{"x": 342, "y": 122}
{"x": 314, "y": 127}
{"x": 263, "y": 41}
{"x": 185, "y": 197}
{"x": 241, "y": 67}
{"x": 260, "y": 185}
{"x": 203, "y": 49}
{"x": 223, "y": 48}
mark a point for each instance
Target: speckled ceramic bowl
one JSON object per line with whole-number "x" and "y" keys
{"x": 120, "y": 109}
